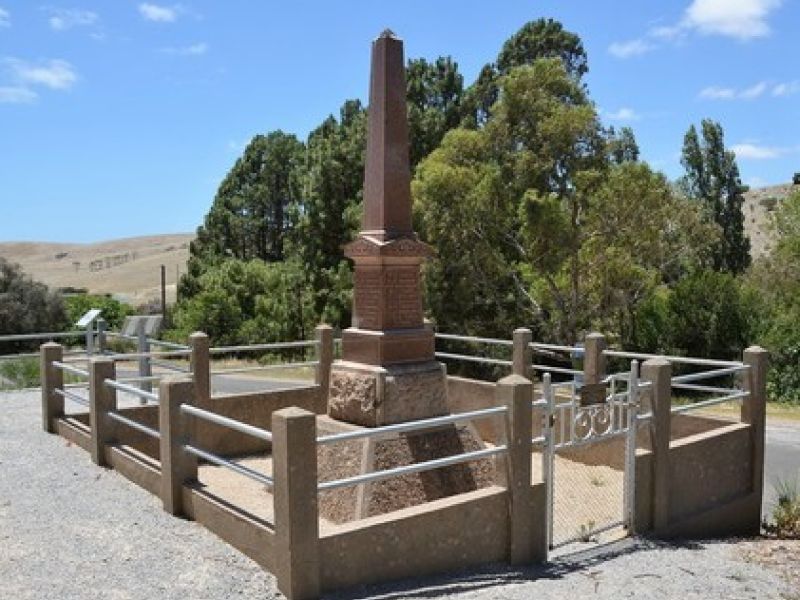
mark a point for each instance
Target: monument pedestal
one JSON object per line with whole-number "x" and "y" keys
{"x": 347, "y": 459}
{"x": 371, "y": 395}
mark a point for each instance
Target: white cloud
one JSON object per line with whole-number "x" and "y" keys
{"x": 192, "y": 50}
{"x": 17, "y": 95}
{"x": 717, "y": 93}
{"x": 158, "y": 13}
{"x": 750, "y": 93}
{"x": 5, "y": 18}
{"x": 786, "y": 89}
{"x": 741, "y": 19}
{"x": 623, "y": 114}
{"x": 754, "y": 91}
{"x": 630, "y": 48}
{"x": 62, "y": 19}
{"x": 56, "y": 74}
{"x": 757, "y": 152}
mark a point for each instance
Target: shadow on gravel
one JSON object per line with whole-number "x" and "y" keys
{"x": 497, "y": 575}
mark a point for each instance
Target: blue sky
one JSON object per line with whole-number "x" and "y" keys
{"x": 119, "y": 118}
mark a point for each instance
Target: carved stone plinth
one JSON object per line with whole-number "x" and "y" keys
{"x": 348, "y": 459}
{"x": 372, "y": 396}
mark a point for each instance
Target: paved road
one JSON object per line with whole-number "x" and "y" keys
{"x": 782, "y": 461}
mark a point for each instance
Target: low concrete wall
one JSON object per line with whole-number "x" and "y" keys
{"x": 710, "y": 491}
{"x": 447, "y": 534}
{"x": 470, "y": 394}
{"x": 254, "y": 409}
{"x": 252, "y": 537}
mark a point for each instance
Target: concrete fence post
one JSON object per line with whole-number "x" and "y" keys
{"x": 52, "y": 380}
{"x": 523, "y": 353}
{"x": 177, "y": 465}
{"x": 199, "y": 362}
{"x": 102, "y": 399}
{"x": 322, "y": 376}
{"x": 514, "y": 472}
{"x": 754, "y": 413}
{"x": 294, "y": 456}
{"x": 659, "y": 372}
{"x": 102, "y": 338}
{"x": 594, "y": 360}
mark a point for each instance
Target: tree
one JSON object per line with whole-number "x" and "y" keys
{"x": 712, "y": 178}
{"x": 542, "y": 38}
{"x": 622, "y": 146}
{"x": 434, "y": 92}
{"x": 26, "y": 306}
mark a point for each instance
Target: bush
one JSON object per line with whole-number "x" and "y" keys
{"x": 785, "y": 513}
{"x": 113, "y": 311}
{"x": 26, "y": 306}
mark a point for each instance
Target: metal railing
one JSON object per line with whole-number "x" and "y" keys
{"x": 264, "y": 347}
{"x": 474, "y": 340}
{"x": 124, "y": 387}
{"x": 720, "y": 395}
{"x": 407, "y": 427}
{"x": 223, "y": 421}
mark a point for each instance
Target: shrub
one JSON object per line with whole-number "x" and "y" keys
{"x": 26, "y": 306}
{"x": 113, "y": 311}
{"x": 785, "y": 515}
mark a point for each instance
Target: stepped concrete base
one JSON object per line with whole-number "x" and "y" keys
{"x": 347, "y": 459}
{"x": 373, "y": 395}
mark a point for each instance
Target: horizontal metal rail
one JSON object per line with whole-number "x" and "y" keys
{"x": 709, "y": 374}
{"x": 710, "y": 402}
{"x": 308, "y": 363}
{"x": 419, "y": 425}
{"x": 704, "y": 388}
{"x": 218, "y": 419}
{"x": 134, "y": 424}
{"x": 164, "y": 344}
{"x": 70, "y": 369}
{"x": 74, "y": 397}
{"x": 170, "y": 366}
{"x": 428, "y": 465}
{"x": 137, "y": 355}
{"x": 472, "y": 339}
{"x": 256, "y": 347}
{"x": 124, "y": 387}
{"x": 537, "y": 441}
{"x": 552, "y": 369}
{"x": 476, "y": 359}
{"x": 237, "y": 468}
{"x": 140, "y": 378}
{"x": 21, "y": 337}
{"x": 556, "y": 348}
{"x": 675, "y": 359}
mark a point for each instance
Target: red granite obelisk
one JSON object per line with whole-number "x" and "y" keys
{"x": 387, "y": 373}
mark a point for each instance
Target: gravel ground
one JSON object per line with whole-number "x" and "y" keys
{"x": 69, "y": 529}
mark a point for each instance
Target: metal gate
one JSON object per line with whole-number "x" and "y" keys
{"x": 589, "y": 457}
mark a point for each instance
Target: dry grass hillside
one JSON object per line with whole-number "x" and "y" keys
{"x": 127, "y": 268}
{"x": 759, "y": 205}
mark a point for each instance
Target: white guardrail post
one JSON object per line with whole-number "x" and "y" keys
{"x": 177, "y": 465}
{"x": 294, "y": 456}
{"x": 102, "y": 399}
{"x": 52, "y": 380}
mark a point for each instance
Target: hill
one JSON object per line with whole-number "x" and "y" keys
{"x": 127, "y": 268}
{"x": 759, "y": 205}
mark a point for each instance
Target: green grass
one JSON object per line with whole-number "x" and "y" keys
{"x": 19, "y": 373}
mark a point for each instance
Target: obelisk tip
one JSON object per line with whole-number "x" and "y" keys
{"x": 388, "y": 33}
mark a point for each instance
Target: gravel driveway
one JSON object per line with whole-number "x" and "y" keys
{"x": 71, "y": 530}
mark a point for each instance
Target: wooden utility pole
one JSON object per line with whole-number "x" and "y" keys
{"x": 164, "y": 291}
